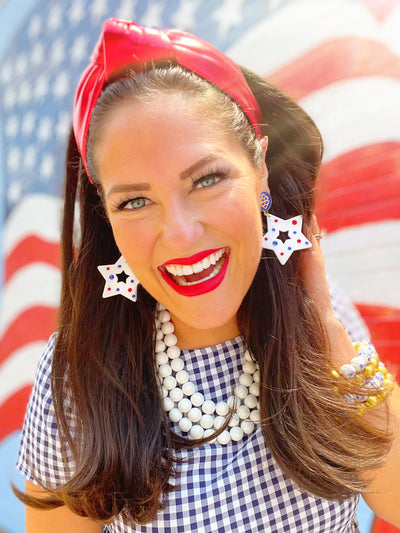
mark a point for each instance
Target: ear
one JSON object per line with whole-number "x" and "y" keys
{"x": 264, "y": 169}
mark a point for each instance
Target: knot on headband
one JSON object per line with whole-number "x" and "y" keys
{"x": 125, "y": 45}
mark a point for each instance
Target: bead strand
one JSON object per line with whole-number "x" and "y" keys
{"x": 369, "y": 372}
{"x": 195, "y": 415}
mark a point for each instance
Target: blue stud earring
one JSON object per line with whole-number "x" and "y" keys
{"x": 283, "y": 237}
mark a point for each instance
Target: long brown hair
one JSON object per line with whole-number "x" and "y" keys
{"x": 123, "y": 447}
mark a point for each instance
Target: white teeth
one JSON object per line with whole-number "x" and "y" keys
{"x": 198, "y": 267}
{"x": 187, "y": 270}
{"x": 205, "y": 262}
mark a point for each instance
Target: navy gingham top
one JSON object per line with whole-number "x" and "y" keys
{"x": 234, "y": 488}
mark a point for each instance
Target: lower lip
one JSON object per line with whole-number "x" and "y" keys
{"x": 198, "y": 288}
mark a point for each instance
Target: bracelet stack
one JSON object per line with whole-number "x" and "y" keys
{"x": 367, "y": 372}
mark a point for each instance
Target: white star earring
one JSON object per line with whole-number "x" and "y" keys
{"x": 283, "y": 237}
{"x": 120, "y": 280}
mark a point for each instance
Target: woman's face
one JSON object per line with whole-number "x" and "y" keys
{"x": 183, "y": 202}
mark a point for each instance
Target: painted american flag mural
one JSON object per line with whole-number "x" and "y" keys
{"x": 339, "y": 58}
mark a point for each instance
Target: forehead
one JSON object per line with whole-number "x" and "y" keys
{"x": 168, "y": 131}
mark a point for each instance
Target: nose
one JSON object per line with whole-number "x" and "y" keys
{"x": 182, "y": 228}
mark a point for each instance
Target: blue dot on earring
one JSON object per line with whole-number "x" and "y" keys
{"x": 266, "y": 201}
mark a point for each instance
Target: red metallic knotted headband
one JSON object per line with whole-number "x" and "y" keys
{"x": 124, "y": 44}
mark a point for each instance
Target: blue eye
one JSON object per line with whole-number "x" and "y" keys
{"x": 206, "y": 181}
{"x": 133, "y": 204}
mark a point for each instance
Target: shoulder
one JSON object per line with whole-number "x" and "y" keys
{"x": 40, "y": 454}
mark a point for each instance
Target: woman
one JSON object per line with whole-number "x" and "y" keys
{"x": 221, "y": 407}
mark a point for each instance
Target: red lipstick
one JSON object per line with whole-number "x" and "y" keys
{"x": 201, "y": 287}
{"x": 193, "y": 258}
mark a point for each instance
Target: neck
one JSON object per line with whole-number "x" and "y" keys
{"x": 190, "y": 337}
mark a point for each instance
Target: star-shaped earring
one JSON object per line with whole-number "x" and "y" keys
{"x": 293, "y": 240}
{"x": 120, "y": 280}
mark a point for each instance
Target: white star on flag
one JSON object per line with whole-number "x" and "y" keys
{"x": 295, "y": 239}
{"x": 120, "y": 280}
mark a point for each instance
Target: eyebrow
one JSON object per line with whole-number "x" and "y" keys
{"x": 129, "y": 187}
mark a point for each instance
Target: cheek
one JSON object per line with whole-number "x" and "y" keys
{"x": 134, "y": 243}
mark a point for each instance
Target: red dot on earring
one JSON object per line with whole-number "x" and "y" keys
{"x": 129, "y": 290}
{"x": 108, "y": 289}
{"x": 281, "y": 253}
{"x": 298, "y": 240}
{"x": 294, "y": 222}
{"x": 276, "y": 220}
{"x": 108, "y": 268}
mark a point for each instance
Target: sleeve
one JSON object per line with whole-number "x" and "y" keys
{"x": 40, "y": 458}
{"x": 347, "y": 314}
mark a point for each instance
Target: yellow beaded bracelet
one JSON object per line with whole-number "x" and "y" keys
{"x": 366, "y": 372}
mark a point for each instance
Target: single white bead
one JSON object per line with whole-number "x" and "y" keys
{"x": 184, "y": 405}
{"x": 359, "y": 362}
{"x": 188, "y": 388}
{"x": 197, "y": 399}
{"x": 164, "y": 316}
{"x": 208, "y": 432}
{"x": 170, "y": 339}
{"x": 185, "y": 424}
{"x": 160, "y": 346}
{"x": 196, "y": 432}
{"x": 348, "y": 371}
{"x": 176, "y": 394}
{"x": 168, "y": 404}
{"x": 247, "y": 356}
{"x": 169, "y": 382}
{"x": 246, "y": 380}
{"x": 219, "y": 421}
{"x": 233, "y": 402}
{"x": 224, "y": 438}
{"x": 243, "y": 412}
{"x": 241, "y": 391}
{"x": 206, "y": 421}
{"x": 160, "y": 307}
{"x": 164, "y": 392}
{"x": 173, "y": 352}
{"x": 249, "y": 367}
{"x": 175, "y": 415}
{"x": 161, "y": 358}
{"x": 195, "y": 414}
{"x": 247, "y": 426}
{"x": 250, "y": 401}
{"x": 255, "y": 389}
{"x": 177, "y": 364}
{"x": 256, "y": 376}
{"x": 182, "y": 377}
{"x": 255, "y": 416}
{"x": 164, "y": 371}
{"x": 234, "y": 421}
{"x": 208, "y": 407}
{"x": 159, "y": 335}
{"x": 222, "y": 408}
{"x": 236, "y": 434}
{"x": 167, "y": 327}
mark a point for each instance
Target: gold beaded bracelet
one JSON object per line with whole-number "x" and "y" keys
{"x": 366, "y": 372}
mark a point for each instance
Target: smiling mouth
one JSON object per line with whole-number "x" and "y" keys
{"x": 207, "y": 268}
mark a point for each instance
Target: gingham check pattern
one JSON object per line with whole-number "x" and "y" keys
{"x": 233, "y": 488}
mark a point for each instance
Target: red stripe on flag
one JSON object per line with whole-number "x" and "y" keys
{"x": 334, "y": 61}
{"x": 35, "y": 324}
{"x": 30, "y": 250}
{"x": 360, "y": 186}
{"x": 12, "y": 411}
{"x": 384, "y": 326}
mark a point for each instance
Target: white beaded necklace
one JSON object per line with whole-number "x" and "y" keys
{"x": 195, "y": 415}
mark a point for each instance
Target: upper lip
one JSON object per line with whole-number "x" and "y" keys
{"x": 193, "y": 258}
